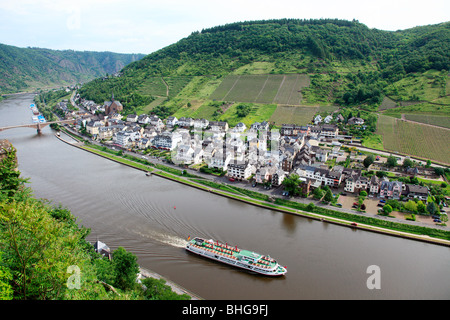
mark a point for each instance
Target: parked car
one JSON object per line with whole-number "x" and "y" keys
{"x": 437, "y": 220}
{"x": 380, "y": 205}
{"x": 355, "y": 206}
{"x": 339, "y": 204}
{"x": 231, "y": 179}
{"x": 383, "y": 201}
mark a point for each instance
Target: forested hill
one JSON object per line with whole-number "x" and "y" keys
{"x": 30, "y": 68}
{"x": 224, "y": 48}
{"x": 348, "y": 63}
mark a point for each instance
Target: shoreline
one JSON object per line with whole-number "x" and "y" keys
{"x": 276, "y": 207}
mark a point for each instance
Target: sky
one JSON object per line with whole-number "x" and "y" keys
{"x": 135, "y": 26}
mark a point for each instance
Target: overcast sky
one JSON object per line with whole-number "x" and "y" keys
{"x": 134, "y": 26}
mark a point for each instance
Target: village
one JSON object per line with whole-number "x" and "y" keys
{"x": 261, "y": 156}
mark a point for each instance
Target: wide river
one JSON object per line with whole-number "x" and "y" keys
{"x": 152, "y": 217}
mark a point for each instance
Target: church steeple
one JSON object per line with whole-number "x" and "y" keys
{"x": 112, "y": 97}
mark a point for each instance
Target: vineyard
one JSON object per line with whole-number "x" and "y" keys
{"x": 414, "y": 139}
{"x": 441, "y": 121}
{"x": 279, "y": 89}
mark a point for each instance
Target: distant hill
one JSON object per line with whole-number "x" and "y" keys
{"x": 347, "y": 63}
{"x": 23, "y": 69}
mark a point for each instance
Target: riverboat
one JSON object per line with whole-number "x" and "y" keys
{"x": 234, "y": 256}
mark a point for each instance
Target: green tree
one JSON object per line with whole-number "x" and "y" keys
{"x": 411, "y": 206}
{"x": 157, "y": 289}
{"x": 407, "y": 163}
{"x": 10, "y": 180}
{"x": 291, "y": 184}
{"x": 432, "y": 208}
{"x": 328, "y": 196}
{"x": 318, "y": 193}
{"x": 387, "y": 208}
{"x": 368, "y": 160}
{"x": 38, "y": 249}
{"x": 391, "y": 161}
{"x": 421, "y": 207}
{"x": 126, "y": 267}
{"x": 6, "y": 292}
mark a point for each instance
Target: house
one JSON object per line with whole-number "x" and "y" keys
{"x": 220, "y": 160}
{"x": 263, "y": 126}
{"x": 329, "y": 131}
{"x": 201, "y": 123}
{"x": 354, "y": 181}
{"x": 355, "y": 121}
{"x": 221, "y": 126}
{"x": 317, "y": 119}
{"x": 185, "y": 122}
{"x": 155, "y": 121}
{"x": 374, "y": 185}
{"x": 132, "y": 118}
{"x": 390, "y": 189}
{"x": 278, "y": 177}
{"x": 143, "y": 119}
{"x": 93, "y": 126}
{"x": 240, "y": 170}
{"x": 320, "y": 154}
{"x": 144, "y": 143}
{"x": 415, "y": 191}
{"x": 102, "y": 249}
{"x": 172, "y": 121}
{"x": 166, "y": 140}
{"x": 105, "y": 133}
{"x": 264, "y": 174}
{"x": 328, "y": 119}
{"x": 185, "y": 154}
{"x": 240, "y": 127}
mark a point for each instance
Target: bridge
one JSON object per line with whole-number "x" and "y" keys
{"x": 38, "y": 126}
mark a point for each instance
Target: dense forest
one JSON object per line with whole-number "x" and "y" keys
{"x": 31, "y": 68}
{"x": 315, "y": 47}
{"x": 44, "y": 254}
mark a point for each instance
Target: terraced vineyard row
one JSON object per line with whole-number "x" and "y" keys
{"x": 415, "y": 139}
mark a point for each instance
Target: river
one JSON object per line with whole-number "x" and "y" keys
{"x": 152, "y": 217}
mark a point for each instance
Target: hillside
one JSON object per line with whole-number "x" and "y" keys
{"x": 347, "y": 64}
{"x": 23, "y": 69}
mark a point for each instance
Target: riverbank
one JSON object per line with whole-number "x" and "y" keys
{"x": 355, "y": 221}
{"x": 144, "y": 273}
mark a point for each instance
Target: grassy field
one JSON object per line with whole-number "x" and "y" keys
{"x": 414, "y": 139}
{"x": 267, "y": 89}
{"x": 429, "y": 86}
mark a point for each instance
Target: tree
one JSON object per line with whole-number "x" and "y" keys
{"x": 38, "y": 249}
{"x": 387, "y": 208}
{"x": 368, "y": 160}
{"x": 317, "y": 193}
{"x": 6, "y": 292}
{"x": 291, "y": 184}
{"x": 328, "y": 196}
{"x": 411, "y": 206}
{"x": 421, "y": 207}
{"x": 391, "y": 161}
{"x": 156, "y": 289}
{"x": 126, "y": 267}
{"x": 10, "y": 180}
{"x": 432, "y": 208}
{"x": 407, "y": 163}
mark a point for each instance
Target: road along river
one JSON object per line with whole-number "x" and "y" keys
{"x": 152, "y": 217}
